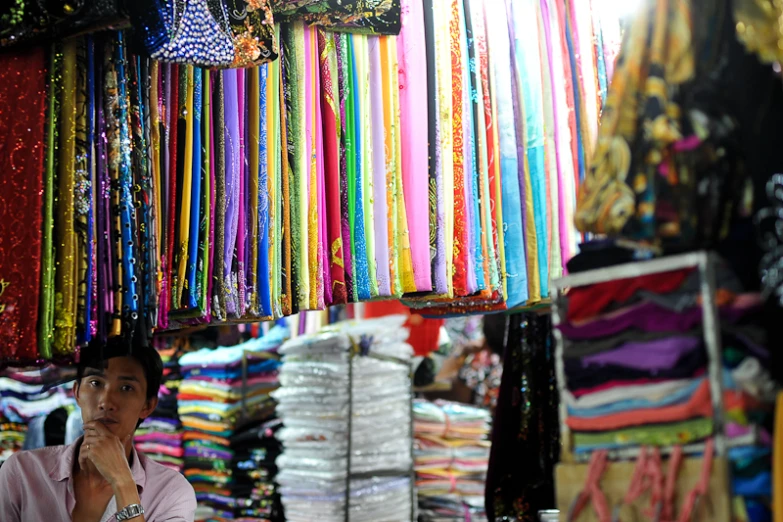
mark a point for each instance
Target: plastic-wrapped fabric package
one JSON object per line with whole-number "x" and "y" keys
{"x": 451, "y": 460}
{"x": 314, "y": 404}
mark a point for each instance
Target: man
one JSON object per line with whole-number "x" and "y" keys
{"x": 100, "y": 477}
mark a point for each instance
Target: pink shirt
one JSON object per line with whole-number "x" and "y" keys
{"x": 38, "y": 485}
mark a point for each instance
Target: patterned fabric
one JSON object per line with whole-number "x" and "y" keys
{"x": 198, "y": 38}
{"x": 525, "y": 424}
{"x": 639, "y": 126}
{"x": 22, "y": 152}
{"x": 759, "y": 27}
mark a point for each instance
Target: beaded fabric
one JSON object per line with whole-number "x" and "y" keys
{"x": 197, "y": 39}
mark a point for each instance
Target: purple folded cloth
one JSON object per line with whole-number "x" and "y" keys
{"x": 648, "y": 317}
{"x": 652, "y": 355}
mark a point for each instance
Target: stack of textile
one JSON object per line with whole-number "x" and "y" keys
{"x": 12, "y": 436}
{"x": 223, "y": 391}
{"x": 636, "y": 371}
{"x": 749, "y": 405}
{"x": 160, "y": 435}
{"x": 452, "y": 455}
{"x": 327, "y": 450}
{"x": 255, "y": 449}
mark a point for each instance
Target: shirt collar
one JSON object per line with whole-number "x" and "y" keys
{"x": 62, "y": 468}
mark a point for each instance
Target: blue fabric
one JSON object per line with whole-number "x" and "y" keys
{"x": 229, "y": 373}
{"x": 225, "y": 356}
{"x": 360, "y": 259}
{"x": 678, "y": 397}
{"x": 758, "y": 486}
{"x": 35, "y": 437}
{"x": 130, "y": 302}
{"x": 528, "y": 68}
{"x": 73, "y": 426}
{"x": 601, "y": 62}
{"x": 195, "y": 198}
{"x": 748, "y": 453}
{"x": 757, "y": 512}
{"x": 513, "y": 234}
{"x": 264, "y": 278}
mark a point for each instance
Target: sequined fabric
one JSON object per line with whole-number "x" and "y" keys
{"x": 199, "y": 38}
{"x": 22, "y": 151}
{"x": 525, "y": 424}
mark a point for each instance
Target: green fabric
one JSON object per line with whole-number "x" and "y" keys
{"x": 46, "y": 317}
{"x": 650, "y": 435}
{"x": 350, "y": 153}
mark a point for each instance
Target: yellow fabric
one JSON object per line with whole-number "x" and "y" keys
{"x": 760, "y": 27}
{"x": 184, "y": 219}
{"x": 65, "y": 275}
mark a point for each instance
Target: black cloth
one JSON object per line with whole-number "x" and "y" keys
{"x": 525, "y": 428}
{"x": 579, "y": 376}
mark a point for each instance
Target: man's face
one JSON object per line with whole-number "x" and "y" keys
{"x": 115, "y": 396}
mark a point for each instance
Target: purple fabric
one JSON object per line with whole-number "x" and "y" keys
{"x": 648, "y": 317}
{"x": 233, "y": 166}
{"x": 653, "y": 355}
{"x": 243, "y": 200}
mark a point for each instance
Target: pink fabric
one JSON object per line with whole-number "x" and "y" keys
{"x": 323, "y": 237}
{"x": 38, "y": 485}
{"x": 414, "y": 124}
{"x": 157, "y": 436}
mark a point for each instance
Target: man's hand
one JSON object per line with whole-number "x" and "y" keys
{"x": 106, "y": 452}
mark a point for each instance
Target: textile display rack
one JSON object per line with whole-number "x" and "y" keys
{"x": 704, "y": 262}
{"x": 642, "y": 422}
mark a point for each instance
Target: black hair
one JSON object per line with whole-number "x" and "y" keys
{"x": 494, "y": 328}
{"x": 97, "y": 353}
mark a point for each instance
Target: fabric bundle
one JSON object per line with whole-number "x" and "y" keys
{"x": 439, "y": 164}
{"x": 636, "y": 372}
{"x": 224, "y": 395}
{"x": 451, "y": 459}
{"x": 159, "y": 437}
{"x": 346, "y": 427}
{"x": 33, "y": 416}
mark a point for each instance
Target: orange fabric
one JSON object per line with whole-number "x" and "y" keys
{"x": 189, "y": 435}
{"x": 699, "y": 405}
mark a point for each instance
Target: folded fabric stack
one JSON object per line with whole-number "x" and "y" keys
{"x": 12, "y": 435}
{"x": 359, "y": 368}
{"x": 749, "y": 406}
{"x": 160, "y": 436}
{"x": 223, "y": 391}
{"x": 20, "y": 402}
{"x": 452, "y": 455}
{"x": 636, "y": 371}
{"x": 33, "y": 415}
{"x": 255, "y": 450}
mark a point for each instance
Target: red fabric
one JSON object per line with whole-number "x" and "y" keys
{"x": 588, "y": 301}
{"x": 22, "y": 121}
{"x": 633, "y": 382}
{"x": 461, "y": 245}
{"x": 424, "y": 333}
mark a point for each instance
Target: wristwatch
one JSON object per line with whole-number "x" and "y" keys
{"x": 129, "y": 512}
